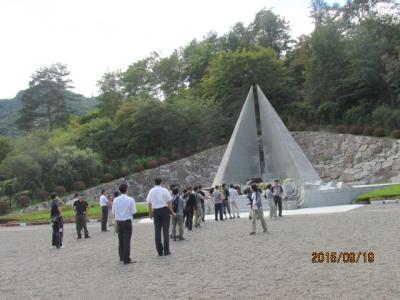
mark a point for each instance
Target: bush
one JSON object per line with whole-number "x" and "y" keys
{"x": 23, "y": 201}
{"x": 395, "y": 134}
{"x": 152, "y": 164}
{"x": 3, "y": 207}
{"x": 95, "y": 181}
{"x": 107, "y": 177}
{"x": 43, "y": 195}
{"x": 163, "y": 160}
{"x": 175, "y": 156}
{"x": 222, "y": 141}
{"x": 60, "y": 190}
{"x": 368, "y": 131}
{"x": 341, "y": 129}
{"x": 331, "y": 128}
{"x": 301, "y": 127}
{"x": 124, "y": 172}
{"x": 356, "y": 130}
{"x": 379, "y": 132}
{"x": 314, "y": 127}
{"x": 79, "y": 185}
{"x": 137, "y": 168}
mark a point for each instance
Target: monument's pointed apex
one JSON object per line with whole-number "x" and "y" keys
{"x": 242, "y": 158}
{"x": 283, "y": 156}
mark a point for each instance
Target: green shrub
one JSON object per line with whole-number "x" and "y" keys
{"x": 124, "y": 172}
{"x": 152, "y": 164}
{"x": 163, "y": 160}
{"x": 395, "y": 134}
{"x": 3, "y": 207}
{"x": 23, "y": 201}
{"x": 137, "y": 168}
{"x": 79, "y": 186}
{"x": 379, "y": 132}
{"x": 43, "y": 195}
{"x": 176, "y": 155}
{"x": 107, "y": 177}
{"x": 222, "y": 141}
{"x": 95, "y": 181}
{"x": 60, "y": 190}
{"x": 301, "y": 127}
{"x": 314, "y": 127}
{"x": 368, "y": 131}
{"x": 389, "y": 192}
{"x": 341, "y": 129}
{"x": 356, "y": 130}
{"x": 331, "y": 128}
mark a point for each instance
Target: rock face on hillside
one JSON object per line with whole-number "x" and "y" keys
{"x": 341, "y": 157}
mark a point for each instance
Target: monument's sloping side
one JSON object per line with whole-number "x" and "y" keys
{"x": 242, "y": 158}
{"x": 283, "y": 156}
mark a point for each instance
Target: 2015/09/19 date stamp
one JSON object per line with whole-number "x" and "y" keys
{"x": 342, "y": 257}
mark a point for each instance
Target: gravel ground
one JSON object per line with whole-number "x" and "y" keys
{"x": 218, "y": 261}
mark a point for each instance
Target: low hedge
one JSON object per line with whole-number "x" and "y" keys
{"x": 68, "y": 213}
{"x": 389, "y": 192}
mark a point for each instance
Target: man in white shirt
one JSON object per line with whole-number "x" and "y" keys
{"x": 104, "y": 210}
{"x": 234, "y": 196}
{"x": 160, "y": 209}
{"x": 124, "y": 207}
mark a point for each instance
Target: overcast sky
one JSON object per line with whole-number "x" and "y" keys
{"x": 95, "y": 36}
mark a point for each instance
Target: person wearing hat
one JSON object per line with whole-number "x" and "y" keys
{"x": 160, "y": 209}
{"x": 80, "y": 207}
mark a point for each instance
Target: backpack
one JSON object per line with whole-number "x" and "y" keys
{"x": 175, "y": 203}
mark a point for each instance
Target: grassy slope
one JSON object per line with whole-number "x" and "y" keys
{"x": 94, "y": 213}
{"x": 386, "y": 193}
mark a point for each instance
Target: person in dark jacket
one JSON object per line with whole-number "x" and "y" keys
{"x": 277, "y": 192}
{"x": 56, "y": 221}
{"x": 190, "y": 207}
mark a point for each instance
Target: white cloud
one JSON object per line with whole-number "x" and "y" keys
{"x": 93, "y": 36}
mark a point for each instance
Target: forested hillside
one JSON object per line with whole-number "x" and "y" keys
{"x": 344, "y": 76}
{"x": 9, "y": 109}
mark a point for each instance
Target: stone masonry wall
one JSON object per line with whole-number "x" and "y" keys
{"x": 341, "y": 157}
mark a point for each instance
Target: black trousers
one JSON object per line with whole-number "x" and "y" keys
{"x": 124, "y": 239}
{"x": 204, "y": 212}
{"x": 189, "y": 217}
{"x": 218, "y": 208}
{"x": 57, "y": 235}
{"x": 162, "y": 219}
{"x": 225, "y": 205}
{"x": 104, "y": 216}
{"x": 278, "y": 203}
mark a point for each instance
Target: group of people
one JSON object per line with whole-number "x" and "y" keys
{"x": 167, "y": 208}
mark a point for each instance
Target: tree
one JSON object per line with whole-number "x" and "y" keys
{"x": 197, "y": 56}
{"x": 230, "y": 75}
{"x": 169, "y": 74}
{"x": 326, "y": 65}
{"x": 46, "y": 103}
{"x": 271, "y": 31}
{"x": 238, "y": 38}
{"x": 22, "y": 167}
{"x": 71, "y": 164}
{"x": 5, "y": 147}
{"x": 139, "y": 78}
{"x": 111, "y": 93}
